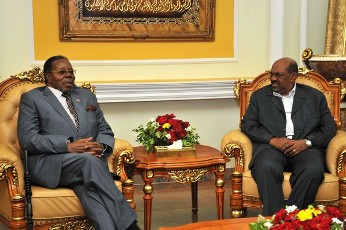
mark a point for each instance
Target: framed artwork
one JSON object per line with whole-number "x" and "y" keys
{"x": 137, "y": 20}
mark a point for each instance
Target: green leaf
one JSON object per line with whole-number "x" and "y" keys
{"x": 256, "y": 226}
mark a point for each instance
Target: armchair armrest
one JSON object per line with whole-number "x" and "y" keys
{"x": 119, "y": 162}
{"x": 236, "y": 144}
{"x": 11, "y": 167}
{"x": 336, "y": 154}
{"x": 12, "y": 191}
{"x": 121, "y": 157}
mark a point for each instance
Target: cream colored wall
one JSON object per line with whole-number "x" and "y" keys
{"x": 317, "y": 32}
{"x": 212, "y": 118}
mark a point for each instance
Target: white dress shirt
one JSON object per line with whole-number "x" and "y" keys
{"x": 288, "y": 103}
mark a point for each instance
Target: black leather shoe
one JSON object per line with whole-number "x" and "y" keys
{"x": 133, "y": 226}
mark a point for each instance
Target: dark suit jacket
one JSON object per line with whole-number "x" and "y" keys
{"x": 265, "y": 118}
{"x": 44, "y": 126}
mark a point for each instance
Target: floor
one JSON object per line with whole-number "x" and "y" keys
{"x": 172, "y": 203}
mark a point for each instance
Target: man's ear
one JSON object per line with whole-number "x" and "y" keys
{"x": 294, "y": 76}
{"x": 47, "y": 76}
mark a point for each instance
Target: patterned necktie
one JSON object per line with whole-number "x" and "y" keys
{"x": 70, "y": 106}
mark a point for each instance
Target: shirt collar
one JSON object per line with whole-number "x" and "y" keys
{"x": 55, "y": 91}
{"x": 291, "y": 93}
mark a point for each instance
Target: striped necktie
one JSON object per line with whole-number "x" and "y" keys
{"x": 70, "y": 106}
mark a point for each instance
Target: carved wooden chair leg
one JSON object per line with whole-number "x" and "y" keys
{"x": 28, "y": 193}
{"x": 237, "y": 195}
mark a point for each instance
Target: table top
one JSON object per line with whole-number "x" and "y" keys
{"x": 234, "y": 223}
{"x": 205, "y": 155}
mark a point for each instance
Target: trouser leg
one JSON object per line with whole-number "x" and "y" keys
{"x": 267, "y": 171}
{"x": 307, "y": 175}
{"x": 98, "y": 216}
{"x": 99, "y": 188}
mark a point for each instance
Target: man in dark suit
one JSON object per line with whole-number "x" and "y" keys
{"x": 290, "y": 126}
{"x": 68, "y": 140}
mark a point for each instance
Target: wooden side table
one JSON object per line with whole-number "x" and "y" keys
{"x": 183, "y": 170}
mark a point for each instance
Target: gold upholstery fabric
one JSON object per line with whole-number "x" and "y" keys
{"x": 58, "y": 203}
{"x": 330, "y": 183}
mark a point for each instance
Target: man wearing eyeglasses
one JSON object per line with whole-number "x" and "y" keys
{"x": 68, "y": 145}
{"x": 290, "y": 126}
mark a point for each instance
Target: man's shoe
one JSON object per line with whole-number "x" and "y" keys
{"x": 133, "y": 226}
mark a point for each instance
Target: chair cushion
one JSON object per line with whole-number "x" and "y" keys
{"x": 328, "y": 190}
{"x": 58, "y": 203}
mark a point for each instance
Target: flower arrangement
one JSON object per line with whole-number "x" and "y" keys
{"x": 166, "y": 130}
{"x": 311, "y": 218}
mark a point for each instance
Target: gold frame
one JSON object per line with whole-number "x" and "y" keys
{"x": 137, "y": 20}
{"x": 336, "y": 28}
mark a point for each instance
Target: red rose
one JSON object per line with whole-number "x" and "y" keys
{"x": 279, "y": 216}
{"x": 161, "y": 120}
{"x": 186, "y": 124}
{"x": 173, "y": 136}
{"x": 334, "y": 212}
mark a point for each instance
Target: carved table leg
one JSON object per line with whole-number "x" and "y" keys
{"x": 194, "y": 194}
{"x": 220, "y": 191}
{"x": 148, "y": 177}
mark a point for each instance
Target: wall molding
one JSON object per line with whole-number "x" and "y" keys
{"x": 167, "y": 91}
{"x": 145, "y": 62}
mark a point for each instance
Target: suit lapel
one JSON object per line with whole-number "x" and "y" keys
{"x": 277, "y": 102}
{"x": 299, "y": 99}
{"x": 55, "y": 103}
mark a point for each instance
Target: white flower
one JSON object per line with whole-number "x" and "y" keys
{"x": 337, "y": 221}
{"x": 321, "y": 207}
{"x": 268, "y": 224}
{"x": 188, "y": 128}
{"x": 168, "y": 136}
{"x": 291, "y": 208}
{"x": 152, "y": 119}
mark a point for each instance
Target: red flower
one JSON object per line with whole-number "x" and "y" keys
{"x": 285, "y": 226}
{"x": 164, "y": 119}
{"x": 308, "y": 219}
{"x": 278, "y": 219}
{"x": 174, "y": 127}
{"x": 334, "y": 212}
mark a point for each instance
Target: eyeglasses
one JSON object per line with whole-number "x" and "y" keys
{"x": 63, "y": 72}
{"x": 277, "y": 75}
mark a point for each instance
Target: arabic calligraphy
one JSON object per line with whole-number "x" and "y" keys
{"x": 138, "y": 11}
{"x": 152, "y": 6}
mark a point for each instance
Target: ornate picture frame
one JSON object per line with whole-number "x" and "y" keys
{"x": 137, "y": 20}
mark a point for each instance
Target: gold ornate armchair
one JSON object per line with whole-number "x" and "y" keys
{"x": 237, "y": 145}
{"x": 52, "y": 208}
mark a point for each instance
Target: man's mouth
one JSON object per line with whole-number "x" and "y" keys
{"x": 68, "y": 84}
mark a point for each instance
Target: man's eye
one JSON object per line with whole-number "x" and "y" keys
{"x": 62, "y": 72}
